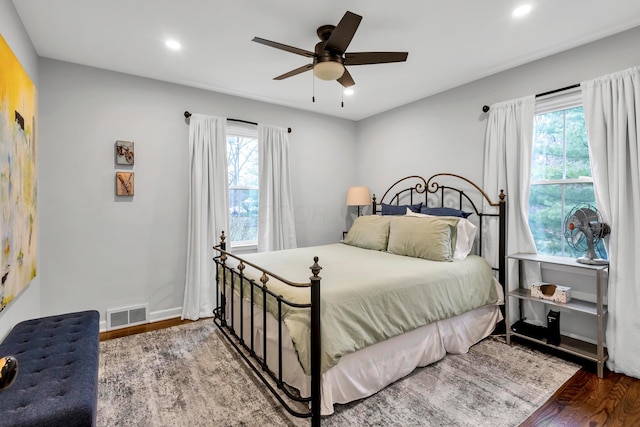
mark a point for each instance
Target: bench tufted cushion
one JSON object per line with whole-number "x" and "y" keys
{"x": 57, "y": 380}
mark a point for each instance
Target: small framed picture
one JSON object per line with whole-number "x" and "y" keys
{"x": 124, "y": 152}
{"x": 124, "y": 183}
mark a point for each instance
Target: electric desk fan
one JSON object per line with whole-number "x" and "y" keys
{"x": 583, "y": 229}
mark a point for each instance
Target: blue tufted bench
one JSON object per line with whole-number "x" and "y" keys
{"x": 57, "y": 381}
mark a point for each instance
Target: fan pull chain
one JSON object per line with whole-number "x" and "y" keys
{"x": 342, "y": 101}
{"x": 313, "y": 88}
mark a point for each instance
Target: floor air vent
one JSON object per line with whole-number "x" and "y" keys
{"x": 129, "y": 316}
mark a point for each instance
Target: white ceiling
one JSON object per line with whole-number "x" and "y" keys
{"x": 449, "y": 42}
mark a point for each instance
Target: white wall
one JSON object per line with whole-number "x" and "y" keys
{"x": 100, "y": 251}
{"x": 27, "y": 304}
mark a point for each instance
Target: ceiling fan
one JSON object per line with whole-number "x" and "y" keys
{"x": 330, "y": 56}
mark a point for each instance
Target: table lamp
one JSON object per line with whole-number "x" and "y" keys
{"x": 358, "y": 196}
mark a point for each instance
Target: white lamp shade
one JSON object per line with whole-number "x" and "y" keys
{"x": 358, "y": 196}
{"x": 328, "y": 70}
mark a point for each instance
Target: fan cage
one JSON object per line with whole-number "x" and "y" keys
{"x": 584, "y": 231}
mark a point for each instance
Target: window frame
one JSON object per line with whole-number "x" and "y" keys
{"x": 558, "y": 101}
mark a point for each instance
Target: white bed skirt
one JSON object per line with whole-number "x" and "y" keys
{"x": 369, "y": 370}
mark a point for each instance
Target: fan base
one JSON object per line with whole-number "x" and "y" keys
{"x": 592, "y": 261}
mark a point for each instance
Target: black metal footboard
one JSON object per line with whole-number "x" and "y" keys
{"x": 224, "y": 317}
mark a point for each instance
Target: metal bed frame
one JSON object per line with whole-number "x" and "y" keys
{"x": 286, "y": 395}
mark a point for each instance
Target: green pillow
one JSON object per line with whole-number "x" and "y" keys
{"x": 430, "y": 238}
{"x": 369, "y": 232}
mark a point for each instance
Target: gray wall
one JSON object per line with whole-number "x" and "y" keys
{"x": 27, "y": 304}
{"x": 100, "y": 251}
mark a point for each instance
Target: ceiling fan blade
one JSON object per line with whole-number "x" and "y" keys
{"x": 284, "y": 47}
{"x": 364, "y": 58}
{"x": 294, "y": 72}
{"x": 346, "y": 80}
{"x": 342, "y": 35}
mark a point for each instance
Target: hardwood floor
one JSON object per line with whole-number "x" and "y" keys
{"x": 584, "y": 400}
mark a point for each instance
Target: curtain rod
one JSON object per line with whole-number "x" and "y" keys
{"x": 485, "y": 108}
{"x": 188, "y": 114}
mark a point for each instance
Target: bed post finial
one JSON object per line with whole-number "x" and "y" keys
{"x": 373, "y": 204}
{"x": 315, "y": 269}
{"x": 502, "y": 195}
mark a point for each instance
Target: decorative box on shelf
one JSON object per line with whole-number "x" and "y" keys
{"x": 551, "y": 292}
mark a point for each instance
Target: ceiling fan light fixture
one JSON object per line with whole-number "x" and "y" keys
{"x": 328, "y": 70}
{"x": 330, "y": 60}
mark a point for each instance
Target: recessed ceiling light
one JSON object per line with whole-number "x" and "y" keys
{"x": 173, "y": 44}
{"x": 348, "y": 92}
{"x": 521, "y": 10}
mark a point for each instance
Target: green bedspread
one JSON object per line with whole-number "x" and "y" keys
{"x": 369, "y": 296}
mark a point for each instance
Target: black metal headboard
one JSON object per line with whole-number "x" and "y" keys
{"x": 455, "y": 191}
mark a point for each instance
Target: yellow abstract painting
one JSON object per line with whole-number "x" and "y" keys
{"x": 18, "y": 176}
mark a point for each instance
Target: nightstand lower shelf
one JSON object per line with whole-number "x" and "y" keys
{"x": 572, "y": 346}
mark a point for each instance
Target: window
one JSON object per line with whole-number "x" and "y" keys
{"x": 560, "y": 172}
{"x": 242, "y": 159}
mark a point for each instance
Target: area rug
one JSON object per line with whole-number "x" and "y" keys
{"x": 188, "y": 376}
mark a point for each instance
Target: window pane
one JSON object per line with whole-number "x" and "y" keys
{"x": 242, "y": 156}
{"x": 577, "y": 149}
{"x": 546, "y": 218}
{"x": 242, "y": 153}
{"x": 548, "y": 209}
{"x": 244, "y": 214}
{"x": 547, "y": 161}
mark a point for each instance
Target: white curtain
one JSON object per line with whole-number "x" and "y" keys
{"x": 208, "y": 211}
{"x": 276, "y": 226}
{"x": 507, "y": 166}
{"x": 612, "y": 114}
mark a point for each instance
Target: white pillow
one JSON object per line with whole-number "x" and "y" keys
{"x": 466, "y": 234}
